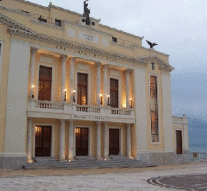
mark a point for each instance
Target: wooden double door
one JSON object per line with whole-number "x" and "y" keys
{"x": 82, "y": 137}
{"x": 114, "y": 142}
{"x": 43, "y": 141}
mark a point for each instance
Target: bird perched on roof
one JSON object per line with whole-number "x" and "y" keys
{"x": 151, "y": 44}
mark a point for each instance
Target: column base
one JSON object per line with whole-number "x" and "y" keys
{"x": 99, "y": 158}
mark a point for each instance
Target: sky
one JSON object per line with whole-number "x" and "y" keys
{"x": 179, "y": 27}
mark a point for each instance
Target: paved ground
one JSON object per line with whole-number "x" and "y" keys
{"x": 106, "y": 179}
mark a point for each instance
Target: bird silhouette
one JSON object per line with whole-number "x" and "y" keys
{"x": 151, "y": 44}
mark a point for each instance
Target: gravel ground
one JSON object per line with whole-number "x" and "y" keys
{"x": 93, "y": 179}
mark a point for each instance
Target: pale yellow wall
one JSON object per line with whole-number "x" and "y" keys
{"x": 155, "y": 146}
{"x": 4, "y": 37}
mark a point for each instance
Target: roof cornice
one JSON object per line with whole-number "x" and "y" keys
{"x": 16, "y": 28}
{"x": 161, "y": 63}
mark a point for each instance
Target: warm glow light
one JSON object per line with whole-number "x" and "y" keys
{"x": 108, "y": 95}
{"x": 100, "y": 95}
{"x": 130, "y": 98}
{"x": 105, "y": 159}
{"x": 33, "y": 86}
{"x": 65, "y": 90}
{"x": 74, "y": 91}
{"x": 124, "y": 105}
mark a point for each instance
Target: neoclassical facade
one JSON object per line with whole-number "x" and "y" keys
{"x": 71, "y": 89}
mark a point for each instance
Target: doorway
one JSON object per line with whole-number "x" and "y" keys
{"x": 43, "y": 141}
{"x": 179, "y": 149}
{"x": 114, "y": 142}
{"x": 82, "y": 137}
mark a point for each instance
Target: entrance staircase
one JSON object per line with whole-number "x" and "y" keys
{"x": 86, "y": 162}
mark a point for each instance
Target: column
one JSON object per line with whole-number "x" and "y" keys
{"x": 106, "y": 85}
{"x": 98, "y": 151}
{"x": 71, "y": 141}
{"x": 62, "y": 139}
{"x": 72, "y": 65}
{"x": 127, "y": 89}
{"x": 63, "y": 92}
{"x": 106, "y": 141}
{"x": 32, "y": 86}
{"x": 98, "y": 88}
{"x": 29, "y": 142}
{"x": 128, "y": 141}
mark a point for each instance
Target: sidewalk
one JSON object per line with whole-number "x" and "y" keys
{"x": 93, "y": 179}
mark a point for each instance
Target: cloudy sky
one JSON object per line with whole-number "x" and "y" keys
{"x": 180, "y": 29}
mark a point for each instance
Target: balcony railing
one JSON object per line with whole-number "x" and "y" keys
{"x": 89, "y": 109}
{"x": 74, "y": 111}
{"x": 120, "y": 111}
{"x": 49, "y": 105}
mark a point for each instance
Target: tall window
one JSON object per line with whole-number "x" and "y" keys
{"x": 114, "y": 90}
{"x": 82, "y": 89}
{"x": 154, "y": 108}
{"x": 45, "y": 83}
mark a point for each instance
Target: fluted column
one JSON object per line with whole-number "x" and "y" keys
{"x": 71, "y": 141}
{"x": 29, "y": 142}
{"x": 62, "y": 139}
{"x": 98, "y": 151}
{"x": 98, "y": 88}
{"x": 72, "y": 65}
{"x": 63, "y": 92}
{"x": 106, "y": 85}
{"x": 106, "y": 141}
{"x": 129, "y": 153}
{"x": 32, "y": 86}
{"x": 127, "y": 89}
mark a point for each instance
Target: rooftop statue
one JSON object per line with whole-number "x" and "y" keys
{"x": 86, "y": 12}
{"x": 151, "y": 44}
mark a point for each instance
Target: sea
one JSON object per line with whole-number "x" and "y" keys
{"x": 199, "y": 148}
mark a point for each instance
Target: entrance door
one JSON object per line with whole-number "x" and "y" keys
{"x": 81, "y": 141}
{"x": 179, "y": 141}
{"x": 43, "y": 141}
{"x": 113, "y": 141}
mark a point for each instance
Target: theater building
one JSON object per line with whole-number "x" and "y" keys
{"x": 71, "y": 88}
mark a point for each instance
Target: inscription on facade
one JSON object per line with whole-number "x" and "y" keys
{"x": 92, "y": 118}
{"x": 87, "y": 37}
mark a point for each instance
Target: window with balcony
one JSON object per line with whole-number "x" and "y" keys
{"x": 45, "y": 83}
{"x": 154, "y": 109}
{"x": 82, "y": 93}
{"x": 114, "y": 90}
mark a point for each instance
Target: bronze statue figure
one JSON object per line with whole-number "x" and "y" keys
{"x": 86, "y": 13}
{"x": 151, "y": 44}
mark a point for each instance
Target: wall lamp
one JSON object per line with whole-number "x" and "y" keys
{"x": 65, "y": 94}
{"x": 33, "y": 87}
{"x": 130, "y": 102}
{"x": 101, "y": 96}
{"x": 74, "y": 96}
{"x": 108, "y": 96}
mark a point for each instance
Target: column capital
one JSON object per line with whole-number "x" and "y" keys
{"x": 128, "y": 70}
{"x": 98, "y": 122}
{"x": 72, "y": 59}
{"x": 34, "y": 50}
{"x": 98, "y": 64}
{"x": 63, "y": 56}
